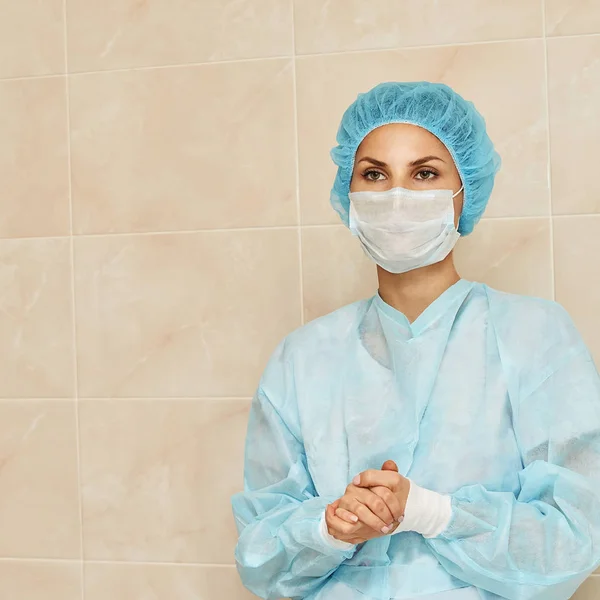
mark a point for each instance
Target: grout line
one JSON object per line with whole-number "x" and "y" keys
{"x": 297, "y": 173}
{"x": 189, "y": 399}
{"x": 521, "y": 218}
{"x": 132, "y": 398}
{"x": 183, "y": 65}
{"x": 192, "y": 231}
{"x": 115, "y": 562}
{"x": 549, "y": 154}
{"x": 278, "y": 57}
{"x": 33, "y": 77}
{"x": 141, "y": 563}
{"x": 568, "y": 36}
{"x": 111, "y": 234}
{"x": 73, "y": 305}
{"x": 149, "y": 67}
{"x": 261, "y": 228}
{"x": 574, "y": 216}
{"x": 159, "y": 563}
{"x": 38, "y": 399}
{"x": 421, "y": 47}
{"x": 265, "y": 58}
{"x": 39, "y": 559}
{"x": 287, "y": 57}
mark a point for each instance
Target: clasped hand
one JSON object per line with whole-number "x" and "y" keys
{"x": 372, "y": 505}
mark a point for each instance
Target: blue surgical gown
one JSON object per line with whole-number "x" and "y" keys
{"x": 489, "y": 397}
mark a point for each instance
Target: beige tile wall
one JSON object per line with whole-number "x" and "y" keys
{"x": 164, "y": 179}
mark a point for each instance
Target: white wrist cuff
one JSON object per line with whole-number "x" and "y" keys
{"x": 426, "y": 512}
{"x": 330, "y": 540}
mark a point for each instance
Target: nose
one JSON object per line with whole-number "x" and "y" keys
{"x": 401, "y": 179}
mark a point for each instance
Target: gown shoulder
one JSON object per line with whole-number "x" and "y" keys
{"x": 329, "y": 330}
{"x": 535, "y": 337}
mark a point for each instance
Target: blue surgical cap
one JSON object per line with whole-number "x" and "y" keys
{"x": 436, "y": 108}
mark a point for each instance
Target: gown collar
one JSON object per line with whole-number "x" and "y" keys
{"x": 453, "y": 296}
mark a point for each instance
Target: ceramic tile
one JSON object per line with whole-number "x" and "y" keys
{"x": 570, "y": 17}
{"x": 185, "y": 314}
{"x": 162, "y": 582}
{"x": 32, "y": 34}
{"x": 119, "y": 34}
{"x": 38, "y": 580}
{"x": 335, "y": 270}
{"x": 574, "y": 96}
{"x": 39, "y": 495}
{"x": 34, "y": 176}
{"x": 576, "y": 246}
{"x": 590, "y": 590}
{"x": 157, "y": 478}
{"x": 186, "y": 148}
{"x": 339, "y": 25}
{"x": 487, "y": 74}
{"x": 36, "y": 349}
{"x": 512, "y": 255}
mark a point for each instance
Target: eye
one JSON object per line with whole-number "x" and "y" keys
{"x": 372, "y": 175}
{"x": 426, "y": 174}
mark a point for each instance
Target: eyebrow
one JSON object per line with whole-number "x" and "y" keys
{"x": 421, "y": 161}
{"x": 374, "y": 161}
{"x": 414, "y": 163}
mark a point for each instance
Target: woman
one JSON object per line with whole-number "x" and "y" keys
{"x": 442, "y": 439}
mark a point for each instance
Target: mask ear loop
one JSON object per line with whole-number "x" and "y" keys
{"x": 462, "y": 187}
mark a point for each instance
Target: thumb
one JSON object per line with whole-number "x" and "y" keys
{"x": 389, "y": 465}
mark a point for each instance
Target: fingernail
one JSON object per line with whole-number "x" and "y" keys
{"x": 400, "y": 519}
{"x": 356, "y": 480}
{"x": 354, "y": 518}
{"x": 385, "y": 529}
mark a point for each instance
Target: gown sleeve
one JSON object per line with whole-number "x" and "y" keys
{"x": 281, "y": 551}
{"x": 543, "y": 542}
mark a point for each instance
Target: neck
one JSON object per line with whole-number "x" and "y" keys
{"x": 411, "y": 293}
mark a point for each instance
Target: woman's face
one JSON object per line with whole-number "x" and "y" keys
{"x": 402, "y": 155}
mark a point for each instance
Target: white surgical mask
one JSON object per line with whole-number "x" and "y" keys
{"x": 402, "y": 229}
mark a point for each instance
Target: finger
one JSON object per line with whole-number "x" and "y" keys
{"x": 389, "y": 465}
{"x": 340, "y": 529}
{"x": 373, "y": 477}
{"x": 346, "y": 515}
{"x": 376, "y": 505}
{"x": 330, "y": 509}
{"x": 355, "y": 496}
{"x": 392, "y": 502}
{"x": 330, "y": 512}
{"x": 364, "y": 513}
{"x": 394, "y": 527}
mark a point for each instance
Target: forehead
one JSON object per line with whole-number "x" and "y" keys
{"x": 401, "y": 140}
